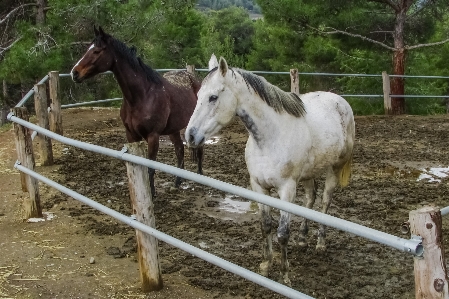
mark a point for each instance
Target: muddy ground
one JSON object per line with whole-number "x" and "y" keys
{"x": 392, "y": 174}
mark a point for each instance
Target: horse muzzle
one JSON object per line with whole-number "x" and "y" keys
{"x": 194, "y": 139}
{"x": 76, "y": 76}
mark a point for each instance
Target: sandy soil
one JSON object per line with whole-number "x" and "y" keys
{"x": 51, "y": 259}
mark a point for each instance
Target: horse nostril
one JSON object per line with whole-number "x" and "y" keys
{"x": 75, "y": 75}
{"x": 192, "y": 134}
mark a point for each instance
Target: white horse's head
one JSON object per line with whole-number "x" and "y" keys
{"x": 216, "y": 106}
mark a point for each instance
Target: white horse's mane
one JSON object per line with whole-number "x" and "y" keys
{"x": 275, "y": 97}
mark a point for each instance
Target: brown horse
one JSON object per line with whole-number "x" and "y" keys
{"x": 153, "y": 105}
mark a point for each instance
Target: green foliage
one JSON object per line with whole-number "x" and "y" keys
{"x": 173, "y": 33}
{"x": 227, "y": 33}
{"x": 174, "y": 40}
{"x": 248, "y": 5}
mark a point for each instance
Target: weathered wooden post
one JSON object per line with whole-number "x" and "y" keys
{"x": 40, "y": 104}
{"x": 431, "y": 279}
{"x": 386, "y": 89}
{"x": 3, "y": 107}
{"x": 24, "y": 146}
{"x": 3, "y": 114}
{"x": 190, "y": 69}
{"x": 142, "y": 205}
{"x": 55, "y": 103}
{"x": 294, "y": 81}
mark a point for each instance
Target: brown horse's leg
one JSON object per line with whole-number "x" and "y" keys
{"x": 179, "y": 150}
{"x": 153, "y": 147}
{"x": 200, "y": 157}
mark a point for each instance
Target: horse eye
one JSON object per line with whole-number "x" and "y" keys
{"x": 97, "y": 51}
{"x": 213, "y": 98}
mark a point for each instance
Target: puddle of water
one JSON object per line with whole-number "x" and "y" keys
{"x": 235, "y": 206}
{"x": 213, "y": 140}
{"x": 416, "y": 173}
{"x": 434, "y": 174}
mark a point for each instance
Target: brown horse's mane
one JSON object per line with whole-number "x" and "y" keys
{"x": 129, "y": 54}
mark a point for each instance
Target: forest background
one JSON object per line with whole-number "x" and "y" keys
{"x": 408, "y": 37}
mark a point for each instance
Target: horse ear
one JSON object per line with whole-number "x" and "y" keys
{"x": 96, "y": 31}
{"x": 223, "y": 66}
{"x": 213, "y": 62}
{"x": 101, "y": 31}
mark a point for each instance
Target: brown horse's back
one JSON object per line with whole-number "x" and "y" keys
{"x": 183, "y": 79}
{"x": 182, "y": 88}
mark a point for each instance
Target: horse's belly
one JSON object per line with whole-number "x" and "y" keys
{"x": 271, "y": 172}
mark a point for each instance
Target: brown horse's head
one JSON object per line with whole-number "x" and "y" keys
{"x": 98, "y": 58}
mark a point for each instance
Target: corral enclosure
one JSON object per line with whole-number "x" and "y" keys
{"x": 400, "y": 164}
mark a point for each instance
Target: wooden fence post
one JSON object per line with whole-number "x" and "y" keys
{"x": 190, "y": 69}
{"x": 3, "y": 114}
{"x": 24, "y": 146}
{"x": 386, "y": 89}
{"x": 294, "y": 81}
{"x": 3, "y": 108}
{"x": 55, "y": 103}
{"x": 431, "y": 279}
{"x": 40, "y": 104}
{"x": 142, "y": 205}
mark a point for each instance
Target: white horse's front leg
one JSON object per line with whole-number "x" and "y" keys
{"x": 265, "y": 227}
{"x": 287, "y": 193}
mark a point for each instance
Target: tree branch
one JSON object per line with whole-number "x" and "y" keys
{"x": 14, "y": 10}
{"x": 336, "y": 31}
{"x": 3, "y": 50}
{"x": 427, "y": 45}
{"x": 390, "y": 3}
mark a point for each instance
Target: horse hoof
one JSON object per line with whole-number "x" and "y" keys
{"x": 320, "y": 247}
{"x": 264, "y": 268}
{"x": 285, "y": 280}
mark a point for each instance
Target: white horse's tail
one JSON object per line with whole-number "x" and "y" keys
{"x": 345, "y": 173}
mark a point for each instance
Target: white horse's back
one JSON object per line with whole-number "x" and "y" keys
{"x": 330, "y": 120}
{"x": 319, "y": 140}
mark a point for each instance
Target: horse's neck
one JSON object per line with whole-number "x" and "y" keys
{"x": 261, "y": 121}
{"x": 133, "y": 83}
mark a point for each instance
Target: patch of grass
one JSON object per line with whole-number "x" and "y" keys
{"x": 6, "y": 127}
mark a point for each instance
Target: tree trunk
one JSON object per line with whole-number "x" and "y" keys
{"x": 397, "y": 84}
{"x": 40, "y": 14}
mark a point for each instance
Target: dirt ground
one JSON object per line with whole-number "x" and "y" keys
{"x": 395, "y": 170}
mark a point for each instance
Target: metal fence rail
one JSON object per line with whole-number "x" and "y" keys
{"x": 412, "y": 246}
{"x": 204, "y": 255}
{"x": 31, "y": 92}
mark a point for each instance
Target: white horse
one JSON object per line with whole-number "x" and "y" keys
{"x": 291, "y": 139}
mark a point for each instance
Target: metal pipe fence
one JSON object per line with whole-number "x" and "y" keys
{"x": 412, "y": 246}
{"x": 204, "y": 255}
{"x": 31, "y": 92}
